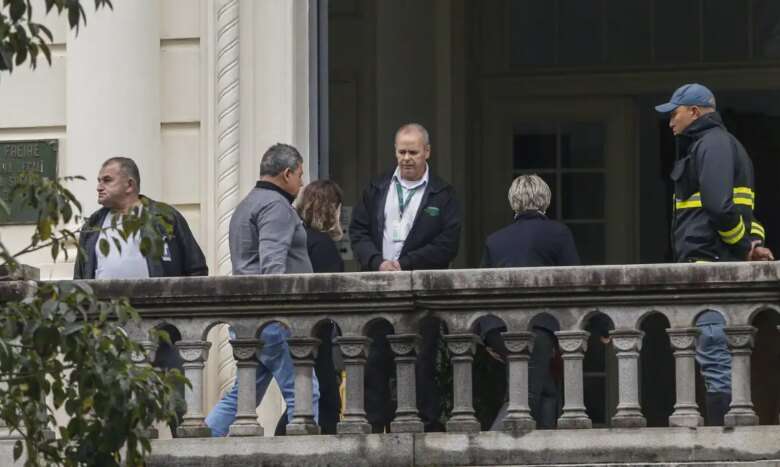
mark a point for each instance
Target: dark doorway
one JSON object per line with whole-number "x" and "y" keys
{"x": 657, "y": 371}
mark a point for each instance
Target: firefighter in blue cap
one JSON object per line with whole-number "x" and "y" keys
{"x": 713, "y": 219}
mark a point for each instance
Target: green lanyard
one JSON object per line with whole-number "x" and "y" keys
{"x": 403, "y": 204}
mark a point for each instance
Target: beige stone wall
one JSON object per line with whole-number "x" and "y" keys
{"x": 49, "y": 103}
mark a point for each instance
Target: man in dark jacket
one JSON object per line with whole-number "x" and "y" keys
{"x": 532, "y": 240}
{"x": 713, "y": 219}
{"x": 407, "y": 219}
{"x": 118, "y": 189}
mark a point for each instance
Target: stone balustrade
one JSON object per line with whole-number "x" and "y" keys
{"x": 571, "y": 295}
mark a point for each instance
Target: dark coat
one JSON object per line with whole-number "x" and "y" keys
{"x": 532, "y": 240}
{"x": 432, "y": 242}
{"x": 714, "y": 197}
{"x": 186, "y": 257}
{"x": 323, "y": 253}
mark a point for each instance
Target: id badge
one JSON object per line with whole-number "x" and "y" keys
{"x": 166, "y": 256}
{"x": 397, "y": 232}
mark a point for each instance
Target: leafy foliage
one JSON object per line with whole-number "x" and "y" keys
{"x": 22, "y": 38}
{"x": 59, "y": 343}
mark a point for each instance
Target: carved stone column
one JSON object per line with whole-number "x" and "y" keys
{"x": 573, "y": 345}
{"x": 520, "y": 345}
{"x": 741, "y": 411}
{"x": 304, "y": 352}
{"x": 146, "y": 358}
{"x": 406, "y": 419}
{"x": 686, "y": 411}
{"x": 227, "y": 125}
{"x": 462, "y": 347}
{"x": 354, "y": 349}
{"x": 628, "y": 343}
{"x": 245, "y": 353}
{"x": 194, "y": 354}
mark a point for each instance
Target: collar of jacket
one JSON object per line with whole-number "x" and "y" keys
{"x": 97, "y": 218}
{"x": 529, "y": 214}
{"x": 706, "y": 122}
{"x": 273, "y": 187}
{"x": 435, "y": 184}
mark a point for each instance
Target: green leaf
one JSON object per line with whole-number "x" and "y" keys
{"x": 104, "y": 246}
{"x": 17, "y": 450}
{"x": 55, "y": 250}
{"x": 17, "y": 10}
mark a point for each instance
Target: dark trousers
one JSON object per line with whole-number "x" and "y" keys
{"x": 167, "y": 358}
{"x": 327, "y": 374}
{"x": 380, "y": 366}
{"x": 717, "y": 405}
{"x": 543, "y": 396}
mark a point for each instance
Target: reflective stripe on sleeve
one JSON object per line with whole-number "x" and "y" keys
{"x": 757, "y": 230}
{"x": 734, "y": 235}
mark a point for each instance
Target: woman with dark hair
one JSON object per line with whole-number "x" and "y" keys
{"x": 319, "y": 207}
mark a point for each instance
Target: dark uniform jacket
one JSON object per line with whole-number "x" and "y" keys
{"x": 713, "y": 195}
{"x": 432, "y": 242}
{"x": 532, "y": 240}
{"x": 183, "y": 257}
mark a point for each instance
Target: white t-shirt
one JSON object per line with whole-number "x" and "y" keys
{"x": 127, "y": 264}
{"x": 397, "y": 226}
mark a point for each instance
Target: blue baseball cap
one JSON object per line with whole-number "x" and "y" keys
{"x": 688, "y": 94}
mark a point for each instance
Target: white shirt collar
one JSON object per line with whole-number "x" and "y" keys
{"x": 409, "y": 185}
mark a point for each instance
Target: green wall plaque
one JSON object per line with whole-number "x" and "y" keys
{"x": 17, "y": 157}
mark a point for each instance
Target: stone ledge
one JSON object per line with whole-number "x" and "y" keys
{"x": 658, "y": 447}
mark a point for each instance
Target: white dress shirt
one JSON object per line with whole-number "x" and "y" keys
{"x": 397, "y": 226}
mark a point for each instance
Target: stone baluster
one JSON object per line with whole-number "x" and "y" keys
{"x": 194, "y": 354}
{"x": 146, "y": 358}
{"x": 462, "y": 347}
{"x": 354, "y": 349}
{"x": 245, "y": 353}
{"x": 518, "y": 417}
{"x": 573, "y": 345}
{"x": 405, "y": 349}
{"x": 686, "y": 411}
{"x": 741, "y": 411}
{"x": 303, "y": 351}
{"x": 628, "y": 343}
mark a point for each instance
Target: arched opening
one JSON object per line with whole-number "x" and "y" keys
{"x": 167, "y": 358}
{"x": 656, "y": 371}
{"x": 489, "y": 370}
{"x": 599, "y": 371}
{"x": 329, "y": 368}
{"x": 380, "y": 394}
{"x": 764, "y": 362}
{"x": 545, "y": 372}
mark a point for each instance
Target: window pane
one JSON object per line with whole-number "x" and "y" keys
{"x": 583, "y": 196}
{"x": 532, "y": 32}
{"x": 580, "y": 32}
{"x": 725, "y": 30}
{"x": 629, "y": 40}
{"x": 534, "y": 151}
{"x": 676, "y": 31}
{"x": 766, "y": 33}
{"x": 582, "y": 146}
{"x": 590, "y": 242}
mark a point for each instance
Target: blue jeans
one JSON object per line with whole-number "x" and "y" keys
{"x": 276, "y": 362}
{"x": 712, "y": 352}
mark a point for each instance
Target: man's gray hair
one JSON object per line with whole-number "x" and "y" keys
{"x": 529, "y": 192}
{"x": 127, "y": 167}
{"x": 414, "y": 127}
{"x": 278, "y": 157}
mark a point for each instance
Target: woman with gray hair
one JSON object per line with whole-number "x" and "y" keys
{"x": 532, "y": 240}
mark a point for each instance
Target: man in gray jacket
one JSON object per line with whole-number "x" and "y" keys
{"x": 267, "y": 237}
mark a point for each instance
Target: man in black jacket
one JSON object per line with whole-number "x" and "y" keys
{"x": 713, "y": 219}
{"x": 407, "y": 219}
{"x": 118, "y": 189}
